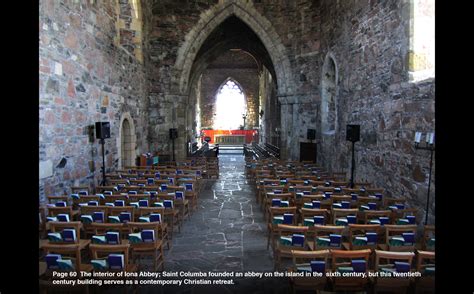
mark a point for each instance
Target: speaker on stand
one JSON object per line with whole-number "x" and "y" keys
{"x": 353, "y": 135}
{"x": 102, "y": 132}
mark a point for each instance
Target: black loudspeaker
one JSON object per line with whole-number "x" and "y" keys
{"x": 353, "y": 133}
{"x": 173, "y": 133}
{"x": 311, "y": 134}
{"x": 102, "y": 130}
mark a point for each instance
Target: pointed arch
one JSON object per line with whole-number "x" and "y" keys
{"x": 210, "y": 20}
{"x": 126, "y": 141}
{"x": 229, "y": 78}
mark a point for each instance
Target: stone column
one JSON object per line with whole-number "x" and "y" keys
{"x": 178, "y": 121}
{"x": 289, "y": 148}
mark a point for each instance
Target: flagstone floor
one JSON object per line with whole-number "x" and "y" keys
{"x": 227, "y": 233}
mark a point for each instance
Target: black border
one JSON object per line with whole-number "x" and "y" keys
{"x": 454, "y": 225}
{"x": 21, "y": 172}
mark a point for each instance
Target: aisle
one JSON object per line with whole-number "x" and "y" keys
{"x": 227, "y": 232}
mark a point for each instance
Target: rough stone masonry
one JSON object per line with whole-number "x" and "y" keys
{"x": 346, "y": 61}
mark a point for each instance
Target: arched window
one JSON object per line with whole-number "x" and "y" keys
{"x": 129, "y": 26}
{"x": 422, "y": 40}
{"x": 230, "y": 107}
{"x": 328, "y": 97}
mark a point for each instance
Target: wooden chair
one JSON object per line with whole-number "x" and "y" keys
{"x": 369, "y": 215}
{"x": 324, "y": 232}
{"x": 312, "y": 212}
{"x": 172, "y": 217}
{"x": 284, "y": 251}
{"x": 113, "y": 198}
{"x": 72, "y": 252}
{"x": 99, "y": 251}
{"x": 349, "y": 191}
{"x": 428, "y": 234}
{"x": 89, "y": 210}
{"x": 59, "y": 226}
{"x": 343, "y": 213}
{"x": 42, "y": 222}
{"x": 343, "y": 258}
{"x": 191, "y": 192}
{"x": 403, "y": 213}
{"x": 385, "y": 259}
{"x": 154, "y": 249}
{"x": 357, "y": 230}
{"x": 182, "y": 206}
{"x": 267, "y": 202}
{"x": 303, "y": 258}
{"x": 272, "y": 227}
{"x": 297, "y": 191}
{"x": 99, "y": 229}
{"x": 85, "y": 199}
{"x": 365, "y": 200}
{"x": 138, "y": 197}
{"x": 117, "y": 210}
{"x": 339, "y": 183}
{"x": 268, "y": 189}
{"x": 325, "y": 203}
{"x": 390, "y": 201}
{"x": 54, "y": 199}
{"x": 392, "y": 231}
{"x": 54, "y": 211}
{"x": 163, "y": 227}
{"x": 323, "y": 189}
{"x": 425, "y": 261}
{"x": 76, "y": 189}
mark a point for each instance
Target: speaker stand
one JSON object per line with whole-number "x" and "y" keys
{"x": 102, "y": 141}
{"x": 173, "y": 149}
{"x": 352, "y": 167}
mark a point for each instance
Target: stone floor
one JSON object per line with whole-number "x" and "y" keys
{"x": 226, "y": 233}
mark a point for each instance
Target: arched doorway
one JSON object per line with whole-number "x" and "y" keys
{"x": 127, "y": 141}
{"x": 244, "y": 29}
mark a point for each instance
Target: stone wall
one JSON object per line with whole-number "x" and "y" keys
{"x": 86, "y": 76}
{"x": 369, "y": 42}
{"x": 269, "y": 130}
{"x": 240, "y": 67}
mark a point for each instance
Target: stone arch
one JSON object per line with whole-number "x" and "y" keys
{"x": 211, "y": 19}
{"x": 329, "y": 93}
{"x": 127, "y": 141}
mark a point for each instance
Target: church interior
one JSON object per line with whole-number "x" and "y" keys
{"x": 231, "y": 146}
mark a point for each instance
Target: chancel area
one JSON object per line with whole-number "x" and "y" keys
{"x": 236, "y": 146}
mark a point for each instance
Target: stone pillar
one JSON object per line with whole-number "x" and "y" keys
{"x": 289, "y": 149}
{"x": 179, "y": 122}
